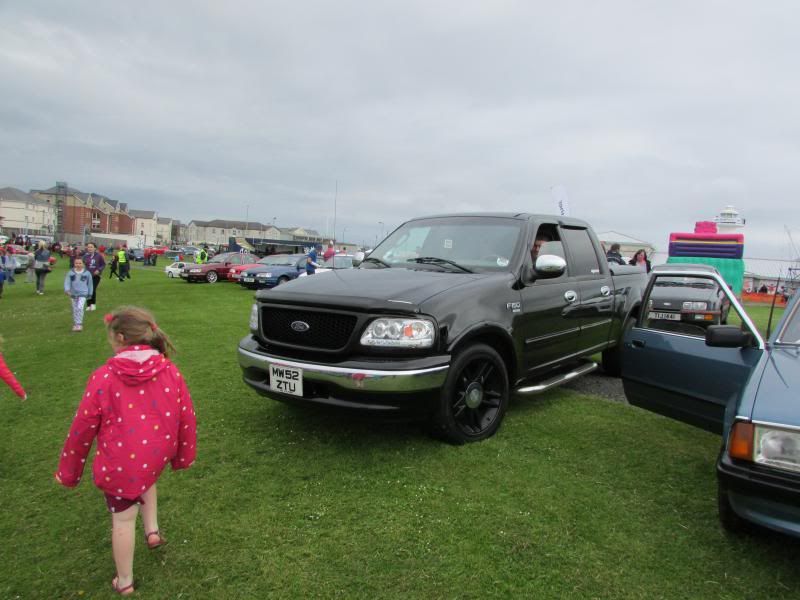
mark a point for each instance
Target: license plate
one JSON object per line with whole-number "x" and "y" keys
{"x": 248, "y": 279}
{"x": 286, "y": 380}
{"x": 667, "y": 316}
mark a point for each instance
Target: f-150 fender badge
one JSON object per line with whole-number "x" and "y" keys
{"x": 514, "y": 306}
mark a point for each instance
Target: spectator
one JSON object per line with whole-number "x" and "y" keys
{"x": 41, "y": 264}
{"x": 311, "y": 260}
{"x": 541, "y": 238}
{"x": 7, "y": 376}
{"x": 8, "y": 263}
{"x": 30, "y": 272}
{"x": 202, "y": 257}
{"x": 95, "y": 263}
{"x": 329, "y": 252}
{"x": 78, "y": 286}
{"x": 123, "y": 265}
{"x": 614, "y": 256}
{"x": 640, "y": 260}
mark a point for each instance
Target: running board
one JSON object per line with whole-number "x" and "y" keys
{"x": 582, "y": 369}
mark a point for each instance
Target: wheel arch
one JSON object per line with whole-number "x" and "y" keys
{"x": 494, "y": 336}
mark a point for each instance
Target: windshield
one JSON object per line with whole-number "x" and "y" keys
{"x": 339, "y": 262}
{"x": 790, "y": 334}
{"x": 685, "y": 282}
{"x": 279, "y": 260}
{"x": 454, "y": 244}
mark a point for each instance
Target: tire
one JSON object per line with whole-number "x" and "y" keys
{"x": 474, "y": 398}
{"x": 282, "y": 280}
{"x": 212, "y": 277}
{"x": 170, "y": 274}
{"x": 612, "y": 358}
{"x": 730, "y": 521}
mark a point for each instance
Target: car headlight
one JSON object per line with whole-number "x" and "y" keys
{"x": 195, "y": 270}
{"x": 695, "y": 306}
{"x": 264, "y": 275}
{"x": 399, "y": 333}
{"x": 778, "y": 448}
{"x": 254, "y": 318}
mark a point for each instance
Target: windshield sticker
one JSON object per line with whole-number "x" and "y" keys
{"x": 502, "y": 261}
{"x": 448, "y": 244}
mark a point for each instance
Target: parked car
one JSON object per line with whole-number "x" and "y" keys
{"x": 687, "y": 301}
{"x": 728, "y": 380}
{"x": 235, "y": 273}
{"x": 136, "y": 254}
{"x": 338, "y": 261}
{"x": 446, "y": 319}
{"x": 175, "y": 269}
{"x": 274, "y": 270}
{"x": 21, "y": 255}
{"x": 216, "y": 268}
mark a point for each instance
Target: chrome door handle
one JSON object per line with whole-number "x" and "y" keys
{"x": 605, "y": 291}
{"x": 570, "y": 296}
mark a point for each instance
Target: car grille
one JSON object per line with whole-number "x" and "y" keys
{"x": 326, "y": 331}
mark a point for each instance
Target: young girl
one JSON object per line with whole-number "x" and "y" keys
{"x": 78, "y": 285}
{"x": 7, "y": 376}
{"x": 139, "y": 407}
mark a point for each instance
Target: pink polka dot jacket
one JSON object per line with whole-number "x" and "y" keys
{"x": 140, "y": 410}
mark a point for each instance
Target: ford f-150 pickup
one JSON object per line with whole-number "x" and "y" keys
{"x": 446, "y": 317}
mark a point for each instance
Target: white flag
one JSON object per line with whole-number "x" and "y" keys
{"x": 559, "y": 193}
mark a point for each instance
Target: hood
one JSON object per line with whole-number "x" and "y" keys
{"x": 272, "y": 269}
{"x": 136, "y": 364}
{"x": 368, "y": 289}
{"x": 778, "y": 399}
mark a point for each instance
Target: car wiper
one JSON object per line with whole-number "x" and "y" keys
{"x": 375, "y": 259}
{"x": 435, "y": 260}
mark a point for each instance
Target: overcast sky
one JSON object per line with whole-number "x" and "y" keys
{"x": 652, "y": 115}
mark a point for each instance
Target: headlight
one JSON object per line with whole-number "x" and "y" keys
{"x": 399, "y": 333}
{"x": 264, "y": 275}
{"x": 254, "y": 318}
{"x": 695, "y": 305}
{"x": 778, "y": 448}
{"x": 195, "y": 270}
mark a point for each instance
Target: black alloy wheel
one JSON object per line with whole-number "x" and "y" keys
{"x": 475, "y": 396}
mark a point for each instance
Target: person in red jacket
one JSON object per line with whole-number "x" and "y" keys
{"x": 140, "y": 410}
{"x": 7, "y": 376}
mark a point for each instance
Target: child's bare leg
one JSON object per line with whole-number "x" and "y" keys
{"x": 150, "y": 510}
{"x": 123, "y": 543}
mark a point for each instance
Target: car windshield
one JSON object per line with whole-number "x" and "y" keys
{"x": 453, "y": 244}
{"x": 339, "y": 262}
{"x": 685, "y": 282}
{"x": 790, "y": 334}
{"x": 279, "y": 260}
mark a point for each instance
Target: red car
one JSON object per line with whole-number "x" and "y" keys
{"x": 235, "y": 272}
{"x": 217, "y": 268}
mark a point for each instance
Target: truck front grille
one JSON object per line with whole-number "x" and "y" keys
{"x": 320, "y": 330}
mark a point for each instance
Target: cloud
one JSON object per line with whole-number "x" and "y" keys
{"x": 652, "y": 116}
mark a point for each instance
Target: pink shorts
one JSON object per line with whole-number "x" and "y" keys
{"x": 118, "y": 503}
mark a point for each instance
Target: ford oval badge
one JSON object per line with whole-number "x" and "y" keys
{"x": 300, "y": 326}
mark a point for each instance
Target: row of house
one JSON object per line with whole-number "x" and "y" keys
{"x": 83, "y": 216}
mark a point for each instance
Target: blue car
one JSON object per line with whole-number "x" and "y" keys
{"x": 274, "y": 270}
{"x": 727, "y": 379}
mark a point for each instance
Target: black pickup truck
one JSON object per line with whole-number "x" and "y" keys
{"x": 446, "y": 318}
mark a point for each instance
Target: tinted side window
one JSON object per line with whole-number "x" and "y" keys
{"x": 582, "y": 252}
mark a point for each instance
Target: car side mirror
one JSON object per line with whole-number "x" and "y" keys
{"x": 549, "y": 266}
{"x": 727, "y": 336}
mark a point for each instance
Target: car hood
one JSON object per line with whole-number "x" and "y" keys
{"x": 271, "y": 269}
{"x": 368, "y": 289}
{"x": 778, "y": 399}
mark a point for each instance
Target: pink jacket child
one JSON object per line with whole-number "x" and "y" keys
{"x": 139, "y": 407}
{"x": 7, "y": 376}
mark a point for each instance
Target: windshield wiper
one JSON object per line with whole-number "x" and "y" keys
{"x": 435, "y": 260}
{"x": 375, "y": 259}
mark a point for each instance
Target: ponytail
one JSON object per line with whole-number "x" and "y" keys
{"x": 138, "y": 326}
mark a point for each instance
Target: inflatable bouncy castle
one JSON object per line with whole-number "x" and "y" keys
{"x": 722, "y": 251}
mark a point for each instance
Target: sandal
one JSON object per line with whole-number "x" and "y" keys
{"x": 122, "y": 591}
{"x": 161, "y": 541}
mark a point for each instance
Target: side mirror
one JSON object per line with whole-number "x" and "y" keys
{"x": 358, "y": 258}
{"x": 727, "y": 336}
{"x": 549, "y": 266}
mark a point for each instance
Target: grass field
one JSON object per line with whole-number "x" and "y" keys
{"x": 575, "y": 496}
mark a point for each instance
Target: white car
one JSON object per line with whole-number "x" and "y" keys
{"x": 336, "y": 262}
{"x": 174, "y": 270}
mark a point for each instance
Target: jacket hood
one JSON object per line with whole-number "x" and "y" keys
{"x": 136, "y": 364}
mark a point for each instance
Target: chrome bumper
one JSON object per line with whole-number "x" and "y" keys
{"x": 355, "y": 379}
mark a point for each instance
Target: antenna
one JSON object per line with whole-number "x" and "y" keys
{"x": 335, "y": 197}
{"x": 772, "y": 308}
